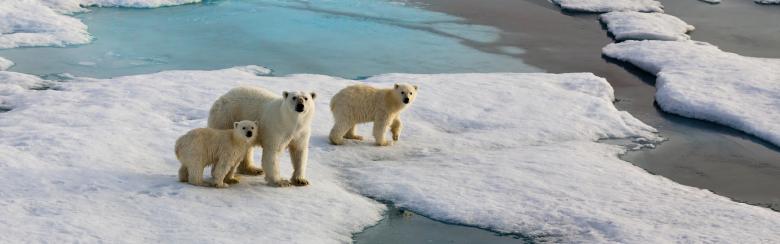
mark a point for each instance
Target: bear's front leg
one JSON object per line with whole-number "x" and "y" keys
{"x": 395, "y": 128}
{"x": 299, "y": 154}
{"x": 231, "y": 177}
{"x": 380, "y": 128}
{"x": 247, "y": 166}
{"x": 221, "y": 169}
{"x": 271, "y": 166}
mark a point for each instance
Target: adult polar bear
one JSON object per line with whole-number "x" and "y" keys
{"x": 284, "y": 122}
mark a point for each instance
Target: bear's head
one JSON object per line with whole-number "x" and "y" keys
{"x": 405, "y": 92}
{"x": 245, "y": 129}
{"x": 300, "y": 102}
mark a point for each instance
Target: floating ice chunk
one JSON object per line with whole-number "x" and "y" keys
{"x": 711, "y": 1}
{"x": 603, "y": 6}
{"x": 26, "y": 23}
{"x": 698, "y": 80}
{"x": 645, "y": 26}
{"x": 5, "y": 64}
{"x": 31, "y": 23}
{"x": 73, "y": 6}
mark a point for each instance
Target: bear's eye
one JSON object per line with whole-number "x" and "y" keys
{"x": 402, "y": 93}
{"x": 244, "y": 128}
{"x": 410, "y": 94}
{"x": 306, "y": 98}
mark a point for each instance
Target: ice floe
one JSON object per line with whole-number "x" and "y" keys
{"x": 711, "y": 1}
{"x": 27, "y": 23}
{"x": 631, "y": 25}
{"x": 91, "y": 160}
{"x": 31, "y": 23}
{"x": 603, "y": 6}
{"x": 698, "y": 80}
{"x": 5, "y": 64}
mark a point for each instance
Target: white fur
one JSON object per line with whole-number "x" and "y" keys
{"x": 222, "y": 149}
{"x": 362, "y": 103}
{"x": 281, "y": 127}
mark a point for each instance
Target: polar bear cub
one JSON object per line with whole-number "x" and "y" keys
{"x": 362, "y": 103}
{"x": 222, "y": 149}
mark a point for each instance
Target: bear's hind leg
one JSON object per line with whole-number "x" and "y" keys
{"x": 340, "y": 128}
{"x": 183, "y": 174}
{"x": 351, "y": 134}
{"x": 195, "y": 175}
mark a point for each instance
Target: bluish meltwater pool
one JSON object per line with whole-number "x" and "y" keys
{"x": 347, "y": 38}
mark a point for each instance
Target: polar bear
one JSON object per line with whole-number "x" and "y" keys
{"x": 362, "y": 103}
{"x": 222, "y": 149}
{"x": 284, "y": 123}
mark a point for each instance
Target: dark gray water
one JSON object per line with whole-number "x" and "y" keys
{"x": 402, "y": 226}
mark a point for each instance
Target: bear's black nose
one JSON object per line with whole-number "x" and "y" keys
{"x": 406, "y": 100}
{"x": 299, "y": 107}
{"x": 248, "y": 134}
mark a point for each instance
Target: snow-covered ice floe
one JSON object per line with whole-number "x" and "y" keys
{"x": 698, "y": 80}
{"x": 31, "y": 23}
{"x": 92, "y": 160}
{"x": 603, "y": 6}
{"x": 5, "y": 64}
{"x": 631, "y": 25}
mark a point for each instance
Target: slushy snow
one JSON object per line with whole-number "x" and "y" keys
{"x": 698, "y": 80}
{"x": 92, "y": 160}
{"x": 768, "y": 1}
{"x": 646, "y": 26}
{"x": 603, "y": 6}
{"x": 5, "y": 64}
{"x": 32, "y": 23}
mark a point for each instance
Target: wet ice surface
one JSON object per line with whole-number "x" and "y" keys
{"x": 344, "y": 38}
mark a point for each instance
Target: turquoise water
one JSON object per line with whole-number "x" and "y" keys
{"x": 342, "y": 38}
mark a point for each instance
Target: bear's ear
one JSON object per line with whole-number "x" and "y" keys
{"x": 313, "y": 95}
{"x": 257, "y": 122}
{"x": 396, "y": 85}
{"x": 415, "y": 87}
{"x": 285, "y": 94}
{"x": 235, "y": 124}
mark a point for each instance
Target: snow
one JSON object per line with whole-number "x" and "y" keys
{"x": 698, "y": 80}
{"x": 5, "y": 64}
{"x": 603, "y": 6}
{"x": 646, "y": 26}
{"x": 91, "y": 160}
{"x": 32, "y": 23}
